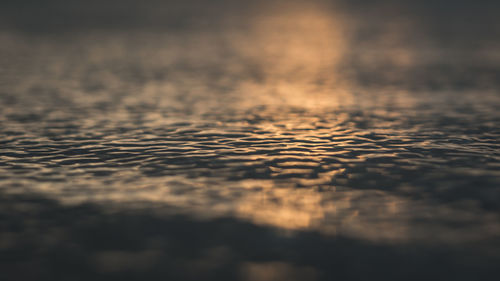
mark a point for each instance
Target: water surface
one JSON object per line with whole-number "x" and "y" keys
{"x": 287, "y": 145}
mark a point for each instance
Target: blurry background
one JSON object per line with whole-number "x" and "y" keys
{"x": 415, "y": 44}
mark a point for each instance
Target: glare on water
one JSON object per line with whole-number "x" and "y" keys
{"x": 289, "y": 122}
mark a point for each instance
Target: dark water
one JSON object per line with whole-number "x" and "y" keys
{"x": 285, "y": 142}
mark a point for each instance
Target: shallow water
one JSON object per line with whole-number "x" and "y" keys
{"x": 276, "y": 150}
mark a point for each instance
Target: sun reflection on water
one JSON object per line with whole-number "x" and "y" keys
{"x": 262, "y": 126}
{"x": 297, "y": 51}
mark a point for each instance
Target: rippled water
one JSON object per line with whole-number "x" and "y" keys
{"x": 289, "y": 151}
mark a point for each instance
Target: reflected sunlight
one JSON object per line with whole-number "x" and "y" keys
{"x": 262, "y": 125}
{"x": 298, "y": 50}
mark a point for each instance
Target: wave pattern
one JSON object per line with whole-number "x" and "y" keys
{"x": 292, "y": 168}
{"x": 191, "y": 149}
